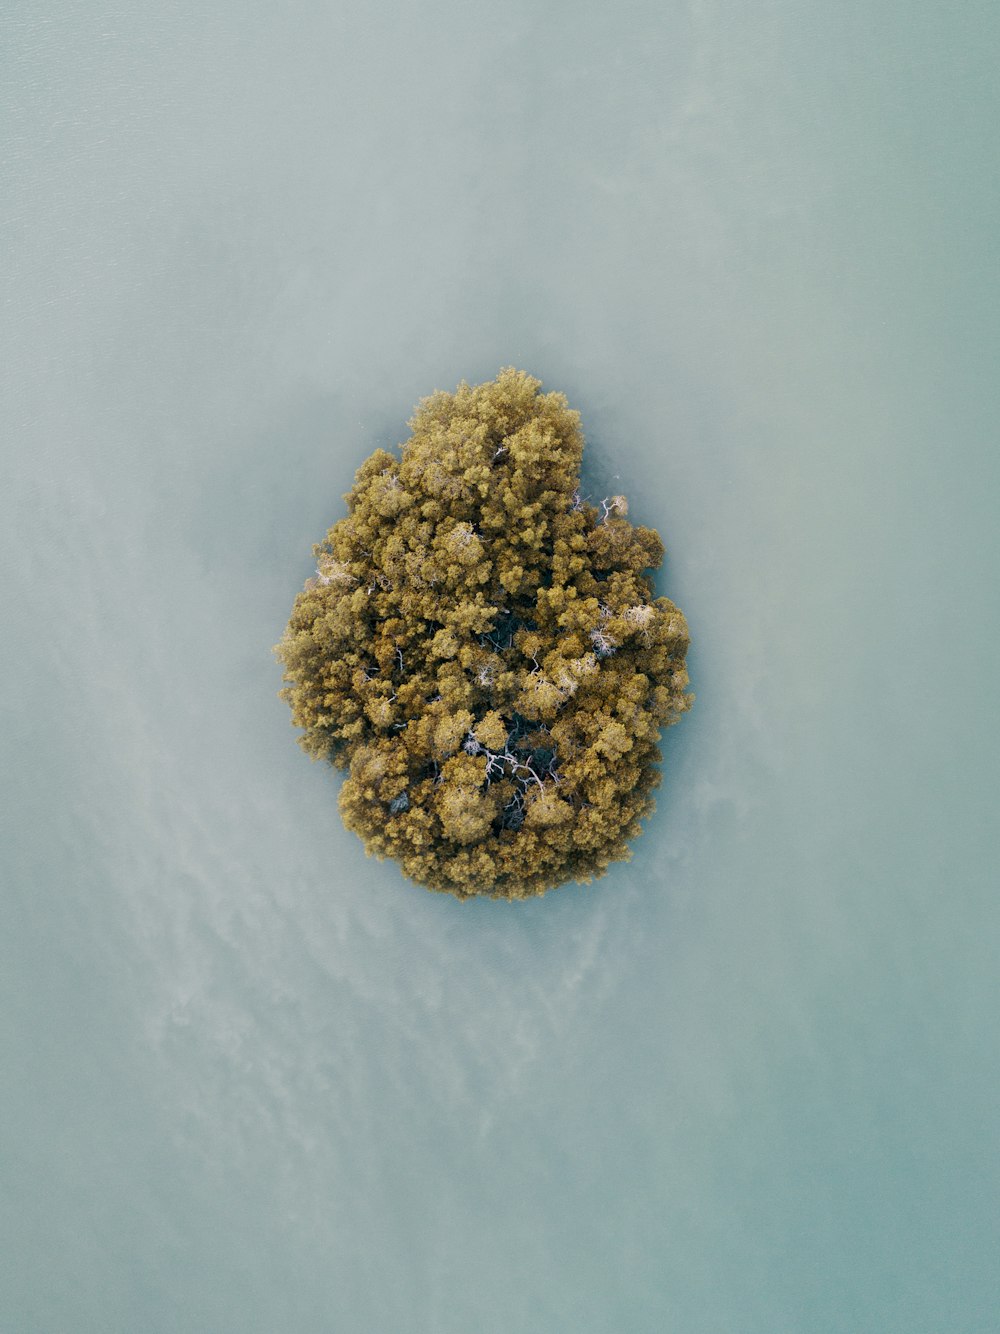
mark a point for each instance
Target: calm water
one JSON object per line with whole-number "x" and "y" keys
{"x": 254, "y": 1082}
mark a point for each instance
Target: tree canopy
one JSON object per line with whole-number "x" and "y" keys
{"x": 481, "y": 650}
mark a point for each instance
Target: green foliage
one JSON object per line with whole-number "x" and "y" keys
{"x": 482, "y": 650}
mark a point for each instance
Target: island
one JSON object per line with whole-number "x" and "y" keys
{"x": 481, "y": 650}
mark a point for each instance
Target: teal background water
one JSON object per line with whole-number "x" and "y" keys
{"x": 254, "y": 1082}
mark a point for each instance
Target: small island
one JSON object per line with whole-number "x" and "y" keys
{"x": 481, "y": 649}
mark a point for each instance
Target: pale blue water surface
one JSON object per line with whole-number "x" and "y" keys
{"x": 253, "y": 1082}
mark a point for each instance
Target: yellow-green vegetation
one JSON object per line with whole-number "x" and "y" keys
{"x": 481, "y": 648}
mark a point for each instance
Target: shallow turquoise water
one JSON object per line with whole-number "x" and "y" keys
{"x": 254, "y": 1082}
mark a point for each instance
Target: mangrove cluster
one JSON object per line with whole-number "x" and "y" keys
{"x": 481, "y": 649}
